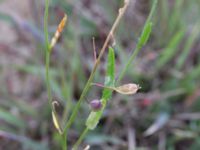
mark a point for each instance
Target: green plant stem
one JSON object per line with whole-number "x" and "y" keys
{"x": 87, "y": 86}
{"x": 122, "y": 73}
{"x": 48, "y": 78}
{"x": 47, "y": 64}
{"x": 46, "y": 15}
{"x": 64, "y": 142}
{"x": 47, "y": 53}
{"x": 139, "y": 44}
{"x": 75, "y": 147}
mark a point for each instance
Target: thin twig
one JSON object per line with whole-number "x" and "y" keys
{"x": 94, "y": 49}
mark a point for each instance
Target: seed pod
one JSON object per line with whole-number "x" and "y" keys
{"x": 58, "y": 31}
{"x": 55, "y": 118}
{"x": 96, "y": 105}
{"x": 127, "y": 89}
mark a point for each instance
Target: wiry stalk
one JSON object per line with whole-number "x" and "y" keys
{"x": 85, "y": 90}
{"x": 87, "y": 86}
{"x": 140, "y": 42}
{"x": 47, "y": 51}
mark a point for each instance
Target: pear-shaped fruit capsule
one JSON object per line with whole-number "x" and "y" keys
{"x": 96, "y": 105}
{"x": 128, "y": 89}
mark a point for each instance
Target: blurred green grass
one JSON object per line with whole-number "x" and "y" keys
{"x": 170, "y": 61}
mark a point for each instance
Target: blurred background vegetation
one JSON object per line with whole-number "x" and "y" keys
{"x": 164, "y": 114}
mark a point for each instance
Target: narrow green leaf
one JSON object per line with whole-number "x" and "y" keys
{"x": 94, "y": 117}
{"x": 24, "y": 107}
{"x": 35, "y": 70}
{"x": 11, "y": 119}
{"x": 110, "y": 75}
{"x": 188, "y": 45}
{"x": 145, "y": 34}
{"x": 25, "y": 141}
{"x": 194, "y": 73}
{"x": 175, "y": 20}
{"x": 171, "y": 49}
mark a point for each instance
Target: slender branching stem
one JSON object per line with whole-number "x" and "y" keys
{"x": 87, "y": 86}
{"x": 48, "y": 78}
{"x": 91, "y": 77}
{"x": 47, "y": 52}
{"x": 46, "y": 15}
{"x": 138, "y": 46}
{"x": 64, "y": 142}
{"x": 122, "y": 73}
{"x": 47, "y": 64}
{"x": 75, "y": 147}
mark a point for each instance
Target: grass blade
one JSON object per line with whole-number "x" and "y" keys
{"x": 189, "y": 43}
{"x": 171, "y": 49}
{"x": 145, "y": 34}
{"x": 11, "y": 119}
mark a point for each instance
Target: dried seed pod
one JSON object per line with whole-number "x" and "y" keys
{"x": 55, "y": 118}
{"x": 96, "y": 105}
{"x": 128, "y": 89}
{"x": 58, "y": 31}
